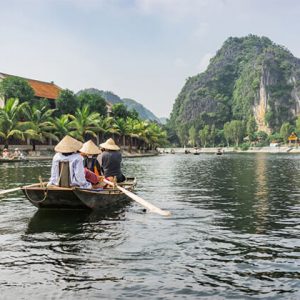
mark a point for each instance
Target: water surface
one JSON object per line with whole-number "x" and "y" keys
{"x": 233, "y": 233}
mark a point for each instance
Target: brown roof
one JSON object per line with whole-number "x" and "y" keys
{"x": 44, "y": 89}
{"x": 41, "y": 89}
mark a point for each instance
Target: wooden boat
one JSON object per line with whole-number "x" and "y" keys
{"x": 53, "y": 197}
{"x": 42, "y": 196}
{"x": 106, "y": 198}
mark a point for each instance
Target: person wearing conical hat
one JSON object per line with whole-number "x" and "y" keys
{"x": 92, "y": 168}
{"x": 110, "y": 160}
{"x": 67, "y": 151}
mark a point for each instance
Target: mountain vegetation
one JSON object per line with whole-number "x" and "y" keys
{"x": 250, "y": 89}
{"x": 143, "y": 112}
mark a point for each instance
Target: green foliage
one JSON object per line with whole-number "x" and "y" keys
{"x": 10, "y": 124}
{"x": 251, "y": 128}
{"x": 192, "y": 136}
{"x": 16, "y": 87}
{"x": 285, "y": 131}
{"x": 204, "y": 135}
{"x": 119, "y": 110}
{"x": 245, "y": 146}
{"x": 85, "y": 124}
{"x": 95, "y": 102}
{"x": 297, "y": 129}
{"x": 243, "y": 70}
{"x": 67, "y": 103}
{"x": 39, "y": 123}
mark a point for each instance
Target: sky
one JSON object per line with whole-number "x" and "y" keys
{"x": 139, "y": 49}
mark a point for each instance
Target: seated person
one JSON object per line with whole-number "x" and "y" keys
{"x": 90, "y": 151}
{"x": 17, "y": 153}
{"x": 5, "y": 153}
{"x": 110, "y": 161}
{"x": 92, "y": 169}
{"x": 67, "y": 151}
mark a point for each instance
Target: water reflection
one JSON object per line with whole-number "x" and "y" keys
{"x": 234, "y": 234}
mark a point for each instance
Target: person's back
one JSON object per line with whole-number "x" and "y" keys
{"x": 110, "y": 160}
{"x": 66, "y": 152}
{"x": 111, "y": 163}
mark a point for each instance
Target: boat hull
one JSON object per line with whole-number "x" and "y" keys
{"x": 58, "y": 198}
{"x": 103, "y": 199}
{"x": 106, "y": 198}
{"x": 76, "y": 198}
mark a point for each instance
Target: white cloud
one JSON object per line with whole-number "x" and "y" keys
{"x": 204, "y": 62}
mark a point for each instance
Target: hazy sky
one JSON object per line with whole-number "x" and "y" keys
{"x": 140, "y": 49}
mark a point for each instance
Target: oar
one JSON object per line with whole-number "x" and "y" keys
{"x": 140, "y": 200}
{"x": 16, "y": 189}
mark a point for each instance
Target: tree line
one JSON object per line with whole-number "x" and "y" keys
{"x": 236, "y": 133}
{"x": 83, "y": 116}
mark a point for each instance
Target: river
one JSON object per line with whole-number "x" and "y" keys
{"x": 234, "y": 233}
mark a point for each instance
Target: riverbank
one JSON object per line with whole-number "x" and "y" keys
{"x": 48, "y": 155}
{"x": 281, "y": 149}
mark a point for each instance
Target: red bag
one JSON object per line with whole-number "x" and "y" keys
{"x": 90, "y": 176}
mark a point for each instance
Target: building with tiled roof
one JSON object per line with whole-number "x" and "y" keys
{"x": 42, "y": 89}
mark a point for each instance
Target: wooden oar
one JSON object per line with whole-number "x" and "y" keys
{"x": 16, "y": 189}
{"x": 140, "y": 200}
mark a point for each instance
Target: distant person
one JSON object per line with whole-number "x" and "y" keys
{"x": 17, "y": 153}
{"x": 67, "y": 151}
{"x": 5, "y": 154}
{"x": 110, "y": 160}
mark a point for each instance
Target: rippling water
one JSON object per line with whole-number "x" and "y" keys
{"x": 233, "y": 233}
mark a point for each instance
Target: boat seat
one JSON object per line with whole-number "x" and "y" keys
{"x": 64, "y": 174}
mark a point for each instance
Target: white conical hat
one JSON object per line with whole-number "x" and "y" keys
{"x": 68, "y": 145}
{"x": 110, "y": 145}
{"x": 90, "y": 148}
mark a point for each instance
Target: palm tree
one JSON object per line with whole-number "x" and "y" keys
{"x": 150, "y": 133}
{"x": 61, "y": 126}
{"x": 39, "y": 123}
{"x": 10, "y": 125}
{"x": 84, "y": 123}
{"x": 121, "y": 128}
{"x": 105, "y": 125}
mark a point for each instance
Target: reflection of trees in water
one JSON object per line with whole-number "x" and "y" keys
{"x": 256, "y": 192}
{"x": 23, "y": 172}
{"x": 253, "y": 191}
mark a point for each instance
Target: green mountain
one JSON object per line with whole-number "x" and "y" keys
{"x": 143, "y": 112}
{"x": 131, "y": 104}
{"x": 249, "y": 78}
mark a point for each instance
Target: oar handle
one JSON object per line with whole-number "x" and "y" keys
{"x": 140, "y": 200}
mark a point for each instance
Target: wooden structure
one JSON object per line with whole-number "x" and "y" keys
{"x": 43, "y": 196}
{"x": 293, "y": 139}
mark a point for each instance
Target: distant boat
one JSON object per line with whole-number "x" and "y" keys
{"x": 219, "y": 152}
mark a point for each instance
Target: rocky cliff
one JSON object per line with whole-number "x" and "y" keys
{"x": 248, "y": 77}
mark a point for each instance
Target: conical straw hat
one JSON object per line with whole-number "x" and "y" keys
{"x": 90, "y": 148}
{"x": 68, "y": 145}
{"x": 110, "y": 145}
